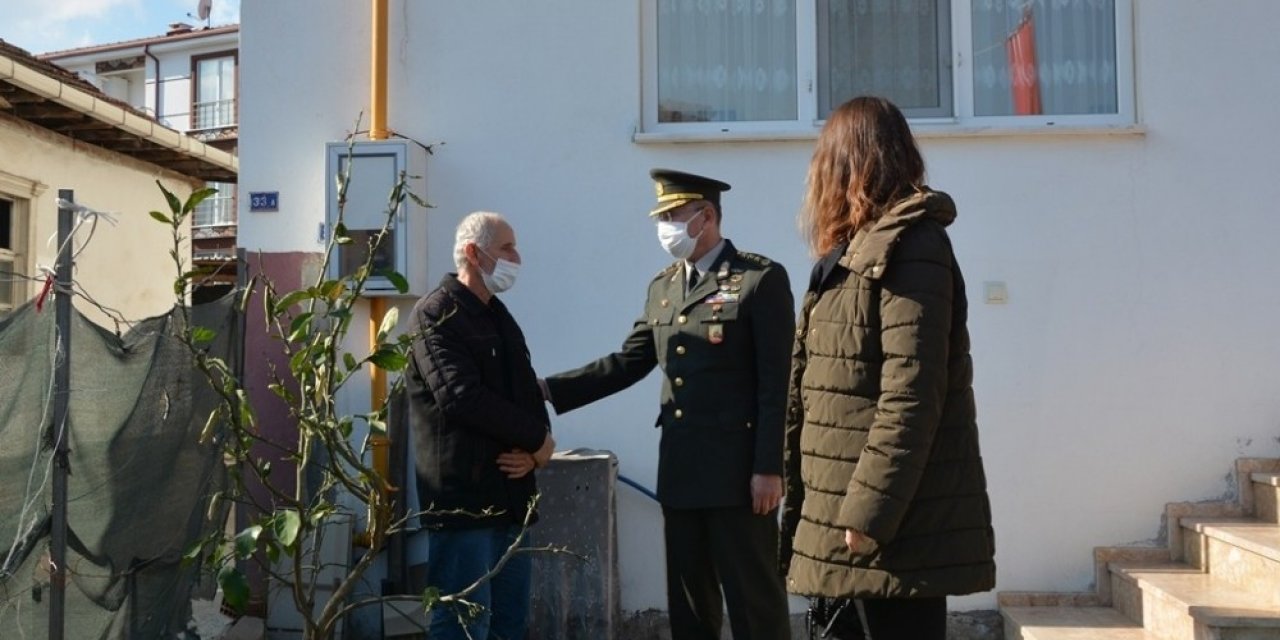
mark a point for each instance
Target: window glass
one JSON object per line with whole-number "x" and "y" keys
{"x": 218, "y": 209}
{"x": 10, "y": 271}
{"x": 365, "y": 212}
{"x": 726, "y": 60}
{"x": 897, "y": 49}
{"x": 6, "y": 225}
{"x": 215, "y": 93}
{"x": 1034, "y": 57}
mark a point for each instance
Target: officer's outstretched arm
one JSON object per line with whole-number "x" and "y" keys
{"x": 608, "y": 375}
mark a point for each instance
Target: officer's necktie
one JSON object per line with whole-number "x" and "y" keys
{"x": 693, "y": 280}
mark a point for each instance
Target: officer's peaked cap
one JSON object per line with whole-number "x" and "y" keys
{"x": 676, "y": 188}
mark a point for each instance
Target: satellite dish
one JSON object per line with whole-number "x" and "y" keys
{"x": 203, "y": 9}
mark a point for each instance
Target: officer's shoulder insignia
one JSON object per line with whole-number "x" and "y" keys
{"x": 667, "y": 271}
{"x": 755, "y": 258}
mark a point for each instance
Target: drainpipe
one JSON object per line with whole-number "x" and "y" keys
{"x": 146, "y": 51}
{"x": 380, "y": 445}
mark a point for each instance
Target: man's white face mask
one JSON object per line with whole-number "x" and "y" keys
{"x": 503, "y": 276}
{"x": 675, "y": 237}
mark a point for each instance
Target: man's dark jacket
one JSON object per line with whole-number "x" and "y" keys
{"x": 472, "y": 395}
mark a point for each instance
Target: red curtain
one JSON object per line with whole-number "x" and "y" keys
{"x": 1024, "y": 79}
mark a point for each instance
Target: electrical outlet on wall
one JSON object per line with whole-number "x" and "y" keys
{"x": 995, "y": 292}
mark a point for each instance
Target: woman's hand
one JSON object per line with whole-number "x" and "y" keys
{"x": 857, "y": 541}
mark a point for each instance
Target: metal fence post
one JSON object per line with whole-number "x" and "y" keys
{"x": 61, "y": 392}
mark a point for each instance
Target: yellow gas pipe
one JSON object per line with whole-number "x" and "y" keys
{"x": 378, "y": 75}
{"x": 380, "y": 445}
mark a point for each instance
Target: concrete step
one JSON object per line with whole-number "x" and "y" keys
{"x": 1180, "y": 602}
{"x": 1245, "y": 554}
{"x": 1069, "y": 623}
{"x": 1266, "y": 496}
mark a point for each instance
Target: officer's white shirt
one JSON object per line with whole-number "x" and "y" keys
{"x": 704, "y": 264}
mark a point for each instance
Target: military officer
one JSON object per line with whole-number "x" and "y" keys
{"x": 719, "y": 322}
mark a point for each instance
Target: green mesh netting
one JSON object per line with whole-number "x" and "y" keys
{"x": 140, "y": 481}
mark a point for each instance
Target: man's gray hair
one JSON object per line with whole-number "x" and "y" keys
{"x": 479, "y": 227}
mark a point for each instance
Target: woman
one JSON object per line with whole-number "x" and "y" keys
{"x": 886, "y": 509}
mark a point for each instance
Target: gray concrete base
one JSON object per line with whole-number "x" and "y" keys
{"x": 652, "y": 625}
{"x": 961, "y": 625}
{"x": 975, "y": 625}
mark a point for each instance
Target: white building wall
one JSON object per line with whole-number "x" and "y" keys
{"x": 1135, "y": 359}
{"x": 138, "y": 90}
{"x": 175, "y": 91}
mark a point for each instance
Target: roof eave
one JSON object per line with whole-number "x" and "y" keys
{"x": 72, "y": 111}
{"x": 138, "y": 43}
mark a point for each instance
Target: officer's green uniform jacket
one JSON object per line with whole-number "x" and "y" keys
{"x": 724, "y": 351}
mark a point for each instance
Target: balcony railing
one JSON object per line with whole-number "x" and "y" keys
{"x": 218, "y": 114}
{"x": 216, "y": 211}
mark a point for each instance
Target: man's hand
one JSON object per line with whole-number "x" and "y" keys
{"x": 857, "y": 541}
{"x": 543, "y": 455}
{"x": 516, "y": 463}
{"x": 766, "y": 493}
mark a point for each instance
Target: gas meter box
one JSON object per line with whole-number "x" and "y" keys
{"x": 375, "y": 167}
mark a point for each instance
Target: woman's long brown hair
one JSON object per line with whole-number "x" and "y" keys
{"x": 866, "y": 159}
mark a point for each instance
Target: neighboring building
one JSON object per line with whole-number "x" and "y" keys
{"x": 187, "y": 79}
{"x": 1112, "y": 165}
{"x": 58, "y": 131}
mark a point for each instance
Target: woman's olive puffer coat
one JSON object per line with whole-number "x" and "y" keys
{"x": 881, "y": 434}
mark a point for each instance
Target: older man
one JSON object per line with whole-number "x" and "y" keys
{"x": 719, "y": 323}
{"x": 476, "y": 414}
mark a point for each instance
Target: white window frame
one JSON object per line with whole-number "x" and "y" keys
{"x": 12, "y": 255}
{"x": 807, "y": 123}
{"x": 233, "y": 118}
{"x": 21, "y": 192}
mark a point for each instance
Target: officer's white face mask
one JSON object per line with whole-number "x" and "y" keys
{"x": 503, "y": 276}
{"x": 675, "y": 237}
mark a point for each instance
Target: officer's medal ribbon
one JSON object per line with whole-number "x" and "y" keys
{"x": 715, "y": 330}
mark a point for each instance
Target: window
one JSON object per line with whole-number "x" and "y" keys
{"x": 1045, "y": 58}
{"x": 214, "y": 91}
{"x": 12, "y": 262}
{"x": 722, "y": 63}
{"x": 218, "y": 210}
{"x": 899, "y": 50}
{"x": 16, "y": 264}
{"x": 743, "y": 65}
